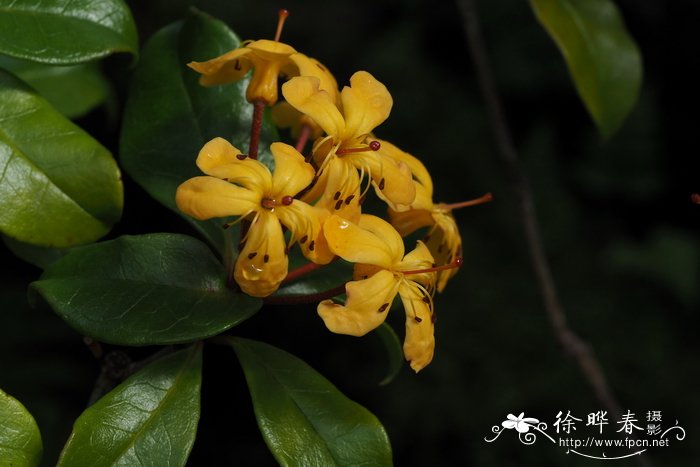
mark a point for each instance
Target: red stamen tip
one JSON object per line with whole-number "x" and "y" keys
{"x": 459, "y": 261}
{"x": 695, "y": 198}
{"x": 375, "y": 145}
{"x": 287, "y": 200}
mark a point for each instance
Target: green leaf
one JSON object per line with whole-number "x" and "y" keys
{"x": 602, "y": 57}
{"x": 149, "y": 419}
{"x": 304, "y": 419}
{"x": 169, "y": 116}
{"x": 73, "y": 90}
{"x": 66, "y": 31}
{"x": 149, "y": 289}
{"x": 59, "y": 187}
{"x": 20, "y": 440}
{"x": 324, "y": 278}
{"x": 394, "y": 351}
{"x": 39, "y": 256}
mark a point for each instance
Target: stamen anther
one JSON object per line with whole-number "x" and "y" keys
{"x": 287, "y": 200}
{"x": 282, "y": 15}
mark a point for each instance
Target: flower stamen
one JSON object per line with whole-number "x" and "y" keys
{"x": 472, "y": 202}
{"x": 454, "y": 264}
{"x": 282, "y": 14}
{"x": 373, "y": 146}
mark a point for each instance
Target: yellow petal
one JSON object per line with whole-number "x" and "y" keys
{"x": 419, "y": 343}
{"x": 208, "y": 197}
{"x": 262, "y": 263}
{"x": 266, "y": 49}
{"x": 305, "y": 95}
{"x": 341, "y": 194}
{"x": 366, "y": 104}
{"x": 218, "y": 158}
{"x": 366, "y": 307}
{"x": 445, "y": 244}
{"x": 373, "y": 241}
{"x": 226, "y": 68}
{"x": 308, "y": 66}
{"x": 392, "y": 181}
{"x": 304, "y": 223}
{"x": 407, "y": 222}
{"x": 292, "y": 173}
{"x": 419, "y": 258}
{"x": 418, "y": 170}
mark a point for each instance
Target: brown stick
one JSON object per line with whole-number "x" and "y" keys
{"x": 575, "y": 346}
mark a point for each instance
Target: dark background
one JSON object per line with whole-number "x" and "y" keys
{"x": 616, "y": 217}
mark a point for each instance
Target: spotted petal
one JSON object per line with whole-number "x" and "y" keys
{"x": 419, "y": 344}
{"x": 373, "y": 241}
{"x": 305, "y": 224}
{"x": 262, "y": 263}
{"x": 305, "y": 95}
{"x": 225, "y": 68}
{"x": 392, "y": 180}
{"x": 209, "y": 197}
{"x": 418, "y": 170}
{"x": 366, "y": 307}
{"x": 366, "y": 104}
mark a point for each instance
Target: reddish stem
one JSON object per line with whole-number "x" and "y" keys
{"x": 303, "y": 138}
{"x": 258, "y": 109}
{"x": 303, "y": 270}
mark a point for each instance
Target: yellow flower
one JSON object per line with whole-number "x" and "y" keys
{"x": 381, "y": 272}
{"x": 443, "y": 239}
{"x": 365, "y": 104}
{"x": 268, "y": 59}
{"x": 239, "y": 186}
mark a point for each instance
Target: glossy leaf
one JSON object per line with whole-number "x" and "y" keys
{"x": 394, "y": 351}
{"x": 169, "y": 116}
{"x": 49, "y": 165}
{"x": 324, "y": 278}
{"x": 20, "y": 440}
{"x": 66, "y": 31}
{"x": 602, "y": 57}
{"x": 149, "y": 419}
{"x": 39, "y": 256}
{"x": 142, "y": 290}
{"x": 73, "y": 90}
{"x": 304, "y": 419}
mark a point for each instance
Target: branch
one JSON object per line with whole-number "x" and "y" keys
{"x": 573, "y": 345}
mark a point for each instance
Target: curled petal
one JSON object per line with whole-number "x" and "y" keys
{"x": 418, "y": 170}
{"x": 366, "y": 104}
{"x": 267, "y": 50}
{"x": 305, "y": 95}
{"x": 445, "y": 244}
{"x": 305, "y": 223}
{"x": 219, "y": 158}
{"x": 391, "y": 180}
{"x": 419, "y": 344}
{"x": 370, "y": 242}
{"x": 292, "y": 173}
{"x": 509, "y": 424}
{"x": 262, "y": 263}
{"x": 208, "y": 197}
{"x": 308, "y": 66}
{"x": 366, "y": 307}
{"x": 229, "y": 67}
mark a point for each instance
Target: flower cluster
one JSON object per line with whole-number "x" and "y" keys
{"x": 316, "y": 201}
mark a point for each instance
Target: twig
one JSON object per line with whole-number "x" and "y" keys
{"x": 575, "y": 346}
